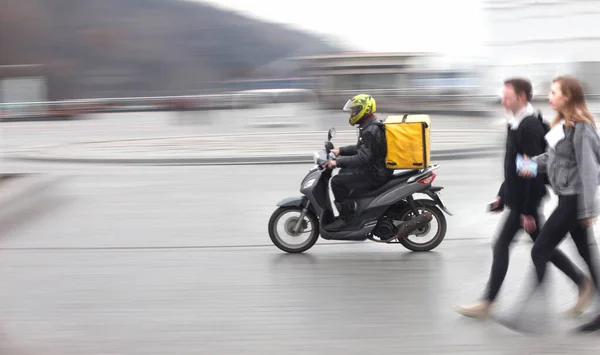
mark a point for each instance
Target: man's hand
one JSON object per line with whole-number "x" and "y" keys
{"x": 336, "y": 152}
{"x": 496, "y": 205}
{"x": 528, "y": 223}
{"x": 330, "y": 164}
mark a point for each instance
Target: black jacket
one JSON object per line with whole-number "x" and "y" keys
{"x": 369, "y": 152}
{"x": 521, "y": 194}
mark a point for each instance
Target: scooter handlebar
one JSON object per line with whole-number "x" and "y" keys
{"x": 321, "y": 162}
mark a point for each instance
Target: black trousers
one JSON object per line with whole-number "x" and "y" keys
{"x": 351, "y": 182}
{"x": 562, "y": 221}
{"x": 511, "y": 227}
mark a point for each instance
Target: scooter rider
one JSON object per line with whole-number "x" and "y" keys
{"x": 363, "y": 165}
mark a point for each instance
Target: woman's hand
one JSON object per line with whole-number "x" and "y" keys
{"x": 587, "y": 222}
{"x": 525, "y": 172}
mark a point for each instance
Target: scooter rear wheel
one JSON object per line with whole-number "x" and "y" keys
{"x": 306, "y": 237}
{"x": 440, "y": 233}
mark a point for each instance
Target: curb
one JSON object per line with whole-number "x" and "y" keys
{"x": 23, "y": 185}
{"x": 20, "y": 197}
{"x": 249, "y": 134}
{"x": 36, "y": 118}
{"x": 445, "y": 155}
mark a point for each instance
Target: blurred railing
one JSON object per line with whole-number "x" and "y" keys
{"x": 387, "y": 100}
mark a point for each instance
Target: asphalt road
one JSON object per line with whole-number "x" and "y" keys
{"x": 177, "y": 260}
{"x": 209, "y": 206}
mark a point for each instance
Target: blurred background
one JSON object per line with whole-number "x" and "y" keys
{"x": 145, "y": 143}
{"x": 63, "y": 58}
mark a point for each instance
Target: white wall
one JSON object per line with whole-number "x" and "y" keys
{"x": 23, "y": 90}
{"x": 540, "y": 39}
{"x": 554, "y": 31}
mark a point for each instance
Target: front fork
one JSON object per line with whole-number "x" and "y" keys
{"x": 302, "y": 215}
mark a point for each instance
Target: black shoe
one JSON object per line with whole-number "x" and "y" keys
{"x": 531, "y": 317}
{"x": 338, "y": 224}
{"x": 591, "y": 326}
{"x": 517, "y": 324}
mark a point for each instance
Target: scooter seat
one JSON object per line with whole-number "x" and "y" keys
{"x": 395, "y": 180}
{"x": 404, "y": 173}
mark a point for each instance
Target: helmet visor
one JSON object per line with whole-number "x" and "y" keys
{"x": 350, "y": 107}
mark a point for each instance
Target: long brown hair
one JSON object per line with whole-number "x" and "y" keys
{"x": 575, "y": 109}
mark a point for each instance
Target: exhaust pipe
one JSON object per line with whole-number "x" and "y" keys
{"x": 415, "y": 223}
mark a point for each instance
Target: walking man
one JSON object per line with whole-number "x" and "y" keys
{"x": 526, "y": 136}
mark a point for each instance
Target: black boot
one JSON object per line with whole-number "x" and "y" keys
{"x": 338, "y": 224}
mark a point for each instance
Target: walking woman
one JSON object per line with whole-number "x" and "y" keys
{"x": 572, "y": 165}
{"x": 525, "y": 135}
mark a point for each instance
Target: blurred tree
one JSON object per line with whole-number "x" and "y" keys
{"x": 140, "y": 46}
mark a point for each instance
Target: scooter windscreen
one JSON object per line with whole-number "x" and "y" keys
{"x": 320, "y": 157}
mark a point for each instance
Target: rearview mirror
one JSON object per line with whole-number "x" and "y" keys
{"x": 331, "y": 133}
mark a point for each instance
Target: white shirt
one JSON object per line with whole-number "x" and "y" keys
{"x": 556, "y": 134}
{"x": 514, "y": 120}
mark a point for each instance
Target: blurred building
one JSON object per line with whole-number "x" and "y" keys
{"x": 399, "y": 81}
{"x": 541, "y": 39}
{"x": 266, "y": 84}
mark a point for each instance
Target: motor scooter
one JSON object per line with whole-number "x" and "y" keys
{"x": 389, "y": 214}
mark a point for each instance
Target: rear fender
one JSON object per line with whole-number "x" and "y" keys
{"x": 433, "y": 194}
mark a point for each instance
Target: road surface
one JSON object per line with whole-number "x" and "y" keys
{"x": 177, "y": 260}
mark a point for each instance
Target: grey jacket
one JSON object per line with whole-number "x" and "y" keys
{"x": 573, "y": 167}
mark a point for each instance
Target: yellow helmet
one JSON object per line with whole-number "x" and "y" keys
{"x": 360, "y": 106}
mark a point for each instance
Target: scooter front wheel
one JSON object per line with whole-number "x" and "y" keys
{"x": 293, "y": 235}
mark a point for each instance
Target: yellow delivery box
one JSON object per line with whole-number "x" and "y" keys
{"x": 407, "y": 139}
